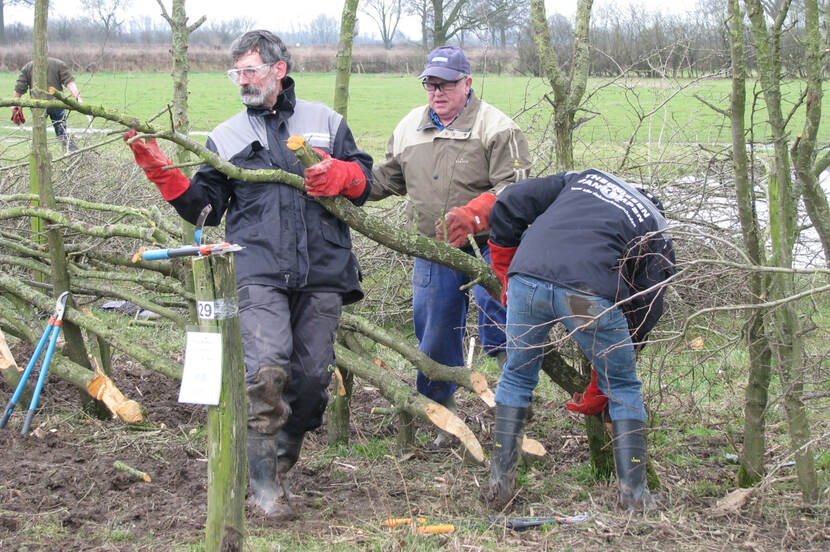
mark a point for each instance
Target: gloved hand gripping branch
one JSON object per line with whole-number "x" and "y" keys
{"x": 472, "y": 218}
{"x": 330, "y": 177}
{"x": 500, "y": 258}
{"x": 172, "y": 182}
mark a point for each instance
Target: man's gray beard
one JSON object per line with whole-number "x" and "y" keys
{"x": 253, "y": 96}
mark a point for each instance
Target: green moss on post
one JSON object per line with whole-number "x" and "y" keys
{"x": 226, "y": 423}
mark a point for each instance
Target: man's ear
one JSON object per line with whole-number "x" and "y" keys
{"x": 282, "y": 69}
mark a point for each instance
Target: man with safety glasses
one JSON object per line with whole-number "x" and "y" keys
{"x": 296, "y": 269}
{"x": 452, "y": 157}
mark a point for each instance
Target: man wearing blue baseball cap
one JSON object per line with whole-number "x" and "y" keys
{"x": 452, "y": 157}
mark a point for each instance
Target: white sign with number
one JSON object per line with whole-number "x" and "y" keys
{"x": 202, "y": 375}
{"x": 206, "y": 309}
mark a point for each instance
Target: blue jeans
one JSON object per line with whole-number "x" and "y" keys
{"x": 440, "y": 316}
{"x": 58, "y": 117}
{"x": 533, "y": 307}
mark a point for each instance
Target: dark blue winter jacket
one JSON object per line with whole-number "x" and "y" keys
{"x": 290, "y": 241}
{"x": 591, "y": 232}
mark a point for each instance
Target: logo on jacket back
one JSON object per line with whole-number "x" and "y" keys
{"x": 611, "y": 192}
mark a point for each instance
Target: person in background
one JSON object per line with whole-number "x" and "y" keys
{"x": 588, "y": 250}
{"x": 296, "y": 269}
{"x": 452, "y": 157}
{"x": 57, "y": 77}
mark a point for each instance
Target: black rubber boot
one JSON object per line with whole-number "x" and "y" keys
{"x": 289, "y": 446}
{"x": 630, "y": 460}
{"x": 504, "y": 462}
{"x": 266, "y": 494}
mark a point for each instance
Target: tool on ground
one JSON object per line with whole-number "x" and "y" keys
{"x": 513, "y": 523}
{"x": 523, "y": 523}
{"x": 50, "y": 334}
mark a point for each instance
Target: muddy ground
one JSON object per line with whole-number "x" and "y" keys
{"x": 59, "y": 490}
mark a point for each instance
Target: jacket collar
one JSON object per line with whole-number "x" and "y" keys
{"x": 286, "y": 100}
{"x": 463, "y": 122}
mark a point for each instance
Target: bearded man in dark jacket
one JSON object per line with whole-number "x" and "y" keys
{"x": 590, "y": 251}
{"x": 297, "y": 269}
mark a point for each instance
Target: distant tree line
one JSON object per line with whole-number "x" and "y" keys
{"x": 623, "y": 40}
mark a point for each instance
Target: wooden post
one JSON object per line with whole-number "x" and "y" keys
{"x": 215, "y": 288}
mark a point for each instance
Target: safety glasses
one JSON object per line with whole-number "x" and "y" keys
{"x": 445, "y": 86}
{"x": 249, "y": 72}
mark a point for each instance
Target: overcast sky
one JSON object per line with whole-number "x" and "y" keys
{"x": 297, "y": 14}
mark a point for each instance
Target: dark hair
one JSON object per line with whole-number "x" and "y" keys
{"x": 270, "y": 47}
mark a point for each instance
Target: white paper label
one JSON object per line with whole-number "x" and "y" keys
{"x": 202, "y": 375}
{"x": 207, "y": 310}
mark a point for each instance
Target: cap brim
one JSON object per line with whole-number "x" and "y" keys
{"x": 441, "y": 73}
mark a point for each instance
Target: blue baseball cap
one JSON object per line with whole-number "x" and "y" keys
{"x": 446, "y": 62}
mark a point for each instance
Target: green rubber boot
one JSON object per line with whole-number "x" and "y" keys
{"x": 504, "y": 462}
{"x": 630, "y": 461}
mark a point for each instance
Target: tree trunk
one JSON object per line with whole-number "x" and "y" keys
{"x": 338, "y": 422}
{"x": 783, "y": 197}
{"x": 227, "y": 422}
{"x": 751, "y": 469}
{"x": 2, "y": 23}
{"x": 41, "y": 165}
{"x": 180, "y": 35}
{"x": 804, "y": 149}
{"x": 344, "y": 58}
{"x": 567, "y": 93}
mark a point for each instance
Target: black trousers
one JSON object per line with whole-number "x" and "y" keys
{"x": 293, "y": 330}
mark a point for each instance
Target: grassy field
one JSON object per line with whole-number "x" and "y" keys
{"x": 652, "y": 111}
{"x": 62, "y": 493}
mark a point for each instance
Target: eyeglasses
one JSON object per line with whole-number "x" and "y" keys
{"x": 445, "y": 86}
{"x": 249, "y": 72}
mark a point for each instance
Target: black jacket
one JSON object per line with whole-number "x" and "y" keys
{"x": 591, "y": 232}
{"x": 290, "y": 241}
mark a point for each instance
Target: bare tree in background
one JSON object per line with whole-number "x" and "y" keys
{"x": 107, "y": 13}
{"x": 501, "y": 18}
{"x": 3, "y": 4}
{"x": 386, "y": 14}
{"x": 324, "y": 29}
{"x": 422, "y": 10}
{"x": 443, "y": 20}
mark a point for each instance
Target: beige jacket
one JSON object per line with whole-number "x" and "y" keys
{"x": 483, "y": 150}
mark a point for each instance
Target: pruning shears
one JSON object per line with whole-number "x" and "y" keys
{"x": 190, "y": 251}
{"x": 50, "y": 334}
{"x": 198, "y": 249}
{"x": 523, "y": 523}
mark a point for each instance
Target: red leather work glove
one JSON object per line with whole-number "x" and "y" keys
{"x": 330, "y": 177}
{"x": 500, "y": 258}
{"x": 171, "y": 183}
{"x": 472, "y": 218}
{"x": 591, "y": 402}
{"x": 17, "y": 115}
